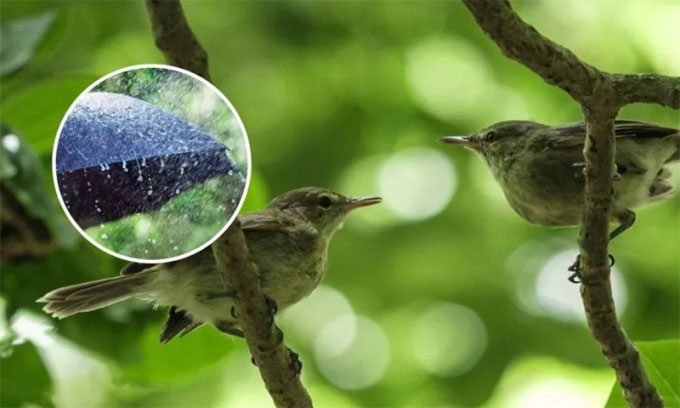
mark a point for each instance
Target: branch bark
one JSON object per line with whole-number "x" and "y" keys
{"x": 175, "y": 39}
{"x": 264, "y": 338}
{"x": 173, "y": 36}
{"x": 659, "y": 89}
{"x": 600, "y": 95}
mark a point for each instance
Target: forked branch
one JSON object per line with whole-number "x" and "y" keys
{"x": 175, "y": 39}
{"x": 600, "y": 95}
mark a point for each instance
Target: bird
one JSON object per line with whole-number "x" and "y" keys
{"x": 288, "y": 241}
{"x": 540, "y": 168}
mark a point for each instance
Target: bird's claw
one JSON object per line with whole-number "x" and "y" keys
{"x": 577, "y": 277}
{"x": 295, "y": 363}
{"x": 271, "y": 305}
{"x": 272, "y": 308}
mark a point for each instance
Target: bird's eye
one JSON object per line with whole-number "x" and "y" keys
{"x": 490, "y": 136}
{"x": 325, "y": 202}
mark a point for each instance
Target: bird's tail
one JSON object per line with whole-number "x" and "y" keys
{"x": 84, "y": 297}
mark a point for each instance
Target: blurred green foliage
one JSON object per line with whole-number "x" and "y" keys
{"x": 340, "y": 95}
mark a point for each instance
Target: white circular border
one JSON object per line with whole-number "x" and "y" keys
{"x": 245, "y": 187}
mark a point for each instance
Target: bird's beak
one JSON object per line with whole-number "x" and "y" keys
{"x": 354, "y": 203}
{"x": 464, "y": 141}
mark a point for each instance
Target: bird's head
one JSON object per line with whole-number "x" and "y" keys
{"x": 496, "y": 140}
{"x": 322, "y": 207}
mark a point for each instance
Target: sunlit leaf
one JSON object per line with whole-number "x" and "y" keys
{"x": 661, "y": 360}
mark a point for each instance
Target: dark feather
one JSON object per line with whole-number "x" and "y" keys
{"x": 178, "y": 323}
{"x": 574, "y": 134}
{"x": 133, "y": 267}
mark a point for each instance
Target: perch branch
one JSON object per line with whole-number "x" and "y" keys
{"x": 521, "y": 42}
{"x": 173, "y": 36}
{"x": 175, "y": 39}
{"x": 600, "y": 95}
{"x": 648, "y": 88}
{"x": 264, "y": 338}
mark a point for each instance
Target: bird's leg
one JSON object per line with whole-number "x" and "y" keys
{"x": 271, "y": 305}
{"x": 627, "y": 219}
{"x": 228, "y": 328}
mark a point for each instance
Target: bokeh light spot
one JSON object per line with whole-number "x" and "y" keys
{"x": 449, "y": 339}
{"x": 417, "y": 183}
{"x": 309, "y": 316}
{"x": 355, "y": 364}
{"x": 448, "y": 77}
{"x": 11, "y": 143}
{"x": 537, "y": 382}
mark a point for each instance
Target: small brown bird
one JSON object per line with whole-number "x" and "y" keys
{"x": 288, "y": 241}
{"x": 539, "y": 167}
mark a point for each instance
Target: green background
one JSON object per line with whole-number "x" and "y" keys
{"x": 441, "y": 296}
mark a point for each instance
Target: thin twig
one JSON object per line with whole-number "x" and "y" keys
{"x": 600, "y": 95}
{"x": 175, "y": 39}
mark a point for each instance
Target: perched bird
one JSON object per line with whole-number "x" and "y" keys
{"x": 540, "y": 168}
{"x": 288, "y": 241}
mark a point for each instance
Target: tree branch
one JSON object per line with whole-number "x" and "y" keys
{"x": 521, "y": 42}
{"x": 265, "y": 340}
{"x": 600, "y": 95}
{"x": 173, "y": 36}
{"x": 648, "y": 88}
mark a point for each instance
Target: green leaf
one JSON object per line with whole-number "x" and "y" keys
{"x": 20, "y": 38}
{"x": 661, "y": 360}
{"x": 38, "y": 110}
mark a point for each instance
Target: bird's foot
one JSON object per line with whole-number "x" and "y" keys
{"x": 577, "y": 277}
{"x": 271, "y": 305}
{"x": 295, "y": 363}
{"x": 272, "y": 308}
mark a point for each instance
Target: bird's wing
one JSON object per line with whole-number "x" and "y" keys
{"x": 134, "y": 267}
{"x": 574, "y": 134}
{"x": 263, "y": 221}
{"x": 281, "y": 226}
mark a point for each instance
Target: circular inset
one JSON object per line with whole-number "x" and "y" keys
{"x": 151, "y": 163}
